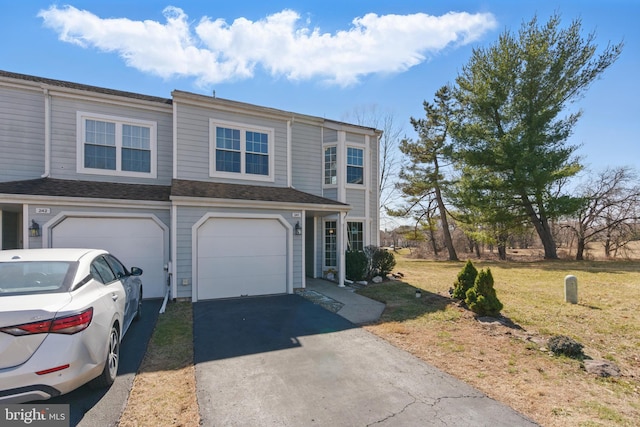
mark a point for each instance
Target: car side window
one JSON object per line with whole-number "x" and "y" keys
{"x": 101, "y": 271}
{"x": 116, "y": 266}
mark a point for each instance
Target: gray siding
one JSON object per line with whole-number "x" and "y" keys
{"x": 193, "y": 143}
{"x": 354, "y": 137}
{"x": 21, "y": 134}
{"x": 330, "y": 193}
{"x": 356, "y": 198}
{"x": 307, "y": 158}
{"x": 330, "y": 135}
{"x": 64, "y": 139}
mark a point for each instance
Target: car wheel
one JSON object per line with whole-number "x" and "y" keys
{"x": 110, "y": 371}
{"x": 138, "y": 315}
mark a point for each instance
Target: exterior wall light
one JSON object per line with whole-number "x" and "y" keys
{"x": 34, "y": 230}
{"x": 298, "y": 229}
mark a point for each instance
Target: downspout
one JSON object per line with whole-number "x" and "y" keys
{"x": 47, "y": 134}
{"x": 289, "y": 155}
{"x": 342, "y": 234}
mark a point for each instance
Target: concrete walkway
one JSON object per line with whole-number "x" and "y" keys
{"x": 357, "y": 309}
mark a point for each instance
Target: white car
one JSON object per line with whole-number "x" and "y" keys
{"x": 63, "y": 313}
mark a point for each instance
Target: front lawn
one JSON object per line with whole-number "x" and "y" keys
{"x": 509, "y": 362}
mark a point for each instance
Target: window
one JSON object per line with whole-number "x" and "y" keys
{"x": 241, "y": 150}
{"x": 355, "y": 236}
{"x": 101, "y": 271}
{"x": 355, "y": 166}
{"x": 330, "y": 166}
{"x": 116, "y": 146}
{"x": 330, "y": 244}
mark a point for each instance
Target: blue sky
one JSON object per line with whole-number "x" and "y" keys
{"x": 323, "y": 58}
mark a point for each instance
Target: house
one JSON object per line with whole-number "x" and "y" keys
{"x": 212, "y": 198}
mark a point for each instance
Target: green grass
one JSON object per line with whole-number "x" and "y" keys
{"x": 605, "y": 319}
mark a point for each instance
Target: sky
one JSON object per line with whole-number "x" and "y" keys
{"x": 322, "y": 58}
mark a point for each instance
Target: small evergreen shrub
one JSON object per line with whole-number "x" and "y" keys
{"x": 382, "y": 262}
{"x": 565, "y": 346}
{"x": 465, "y": 281}
{"x": 482, "y": 298}
{"x": 357, "y": 265}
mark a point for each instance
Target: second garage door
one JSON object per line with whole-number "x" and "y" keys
{"x": 238, "y": 257}
{"x": 136, "y": 242}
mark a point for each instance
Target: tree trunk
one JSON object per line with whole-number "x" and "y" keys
{"x": 434, "y": 244}
{"x": 580, "y": 249}
{"x": 541, "y": 224}
{"x": 448, "y": 242}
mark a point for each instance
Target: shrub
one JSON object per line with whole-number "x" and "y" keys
{"x": 465, "y": 281}
{"x": 356, "y": 265}
{"x": 382, "y": 262}
{"x": 563, "y": 345}
{"x": 482, "y": 298}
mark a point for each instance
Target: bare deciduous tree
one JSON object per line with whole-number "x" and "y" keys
{"x": 611, "y": 209}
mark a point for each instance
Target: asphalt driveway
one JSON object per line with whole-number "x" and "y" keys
{"x": 283, "y": 360}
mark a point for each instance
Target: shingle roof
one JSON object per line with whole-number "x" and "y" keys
{"x": 71, "y": 85}
{"x": 215, "y": 190}
{"x": 91, "y": 189}
{"x": 161, "y": 193}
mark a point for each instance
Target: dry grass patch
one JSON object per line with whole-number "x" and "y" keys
{"x": 164, "y": 391}
{"x": 506, "y": 362}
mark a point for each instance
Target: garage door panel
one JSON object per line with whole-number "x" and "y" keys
{"x": 241, "y": 257}
{"x": 136, "y": 242}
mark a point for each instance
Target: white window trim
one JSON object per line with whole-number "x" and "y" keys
{"x": 364, "y": 165}
{"x": 324, "y": 148}
{"x": 213, "y": 123}
{"x": 81, "y": 118}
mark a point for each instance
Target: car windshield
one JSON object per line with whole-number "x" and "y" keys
{"x": 35, "y": 277}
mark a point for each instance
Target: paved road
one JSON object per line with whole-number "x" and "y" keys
{"x": 284, "y": 361}
{"x": 93, "y": 408}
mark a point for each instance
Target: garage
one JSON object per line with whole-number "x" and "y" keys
{"x": 241, "y": 257}
{"x": 138, "y": 241}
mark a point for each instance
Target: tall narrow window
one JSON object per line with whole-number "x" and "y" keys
{"x": 355, "y": 165}
{"x": 330, "y": 166}
{"x": 355, "y": 236}
{"x": 136, "y": 148}
{"x": 257, "y": 157}
{"x": 100, "y": 145}
{"x": 330, "y": 244}
{"x": 227, "y": 150}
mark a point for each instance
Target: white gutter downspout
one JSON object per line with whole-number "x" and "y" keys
{"x": 47, "y": 134}
{"x": 289, "y": 160}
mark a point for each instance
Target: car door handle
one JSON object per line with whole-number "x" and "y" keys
{"x": 114, "y": 297}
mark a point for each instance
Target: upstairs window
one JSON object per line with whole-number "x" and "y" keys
{"x": 241, "y": 151}
{"x": 330, "y": 166}
{"x": 355, "y": 165}
{"x": 116, "y": 146}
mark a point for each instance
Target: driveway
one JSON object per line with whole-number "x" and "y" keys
{"x": 89, "y": 407}
{"x": 285, "y": 361}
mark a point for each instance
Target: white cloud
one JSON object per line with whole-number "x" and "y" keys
{"x": 214, "y": 51}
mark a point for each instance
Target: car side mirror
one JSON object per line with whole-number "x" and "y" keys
{"x": 136, "y": 271}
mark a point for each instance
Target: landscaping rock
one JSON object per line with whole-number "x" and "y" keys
{"x": 377, "y": 279}
{"x": 601, "y": 368}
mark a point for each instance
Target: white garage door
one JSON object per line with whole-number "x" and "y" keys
{"x": 239, "y": 257}
{"x": 136, "y": 242}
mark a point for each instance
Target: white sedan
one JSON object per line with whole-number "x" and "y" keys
{"x": 63, "y": 313}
